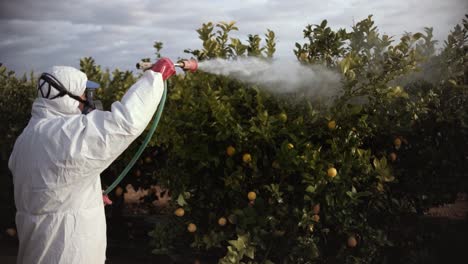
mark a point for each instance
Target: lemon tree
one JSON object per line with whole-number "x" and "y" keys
{"x": 261, "y": 178}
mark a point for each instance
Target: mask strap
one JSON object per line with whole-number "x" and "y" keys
{"x": 54, "y": 82}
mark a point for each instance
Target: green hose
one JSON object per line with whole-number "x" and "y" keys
{"x": 148, "y": 137}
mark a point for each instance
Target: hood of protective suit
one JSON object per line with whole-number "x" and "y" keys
{"x": 74, "y": 81}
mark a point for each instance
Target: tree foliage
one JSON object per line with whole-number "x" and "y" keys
{"x": 220, "y": 45}
{"x": 394, "y": 143}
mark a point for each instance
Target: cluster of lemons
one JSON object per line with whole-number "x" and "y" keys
{"x": 252, "y": 196}
{"x": 222, "y": 221}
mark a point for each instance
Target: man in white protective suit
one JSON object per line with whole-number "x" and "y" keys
{"x": 57, "y": 160}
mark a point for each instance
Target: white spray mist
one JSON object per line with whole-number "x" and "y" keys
{"x": 279, "y": 76}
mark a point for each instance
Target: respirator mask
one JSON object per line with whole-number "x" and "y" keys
{"x": 89, "y": 103}
{"x": 91, "y": 88}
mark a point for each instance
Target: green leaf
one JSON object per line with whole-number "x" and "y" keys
{"x": 181, "y": 200}
{"x": 383, "y": 162}
{"x": 376, "y": 163}
{"x": 345, "y": 64}
{"x": 362, "y": 194}
{"x": 387, "y": 177}
{"x": 311, "y": 188}
{"x": 237, "y": 244}
{"x": 324, "y": 23}
{"x": 240, "y": 243}
{"x": 355, "y": 109}
{"x": 360, "y": 152}
{"x": 417, "y": 36}
{"x": 250, "y": 252}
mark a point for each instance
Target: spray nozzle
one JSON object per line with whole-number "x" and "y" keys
{"x": 186, "y": 65}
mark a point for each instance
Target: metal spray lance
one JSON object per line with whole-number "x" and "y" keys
{"x": 186, "y": 65}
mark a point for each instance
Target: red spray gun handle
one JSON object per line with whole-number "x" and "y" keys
{"x": 186, "y": 65}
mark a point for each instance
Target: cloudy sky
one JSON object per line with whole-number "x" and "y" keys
{"x": 36, "y": 34}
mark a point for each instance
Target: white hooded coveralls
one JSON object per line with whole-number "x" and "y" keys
{"x": 56, "y": 163}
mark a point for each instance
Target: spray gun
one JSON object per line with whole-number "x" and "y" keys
{"x": 186, "y": 65}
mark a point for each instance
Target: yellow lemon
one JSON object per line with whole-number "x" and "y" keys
{"x": 397, "y": 142}
{"x": 179, "y": 212}
{"x": 230, "y": 151}
{"x": 11, "y": 232}
{"x": 316, "y": 218}
{"x": 283, "y": 117}
{"x": 118, "y": 191}
{"x": 222, "y": 221}
{"x": 191, "y": 227}
{"x": 331, "y": 172}
{"x": 252, "y": 196}
{"x": 352, "y": 241}
{"x": 247, "y": 158}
